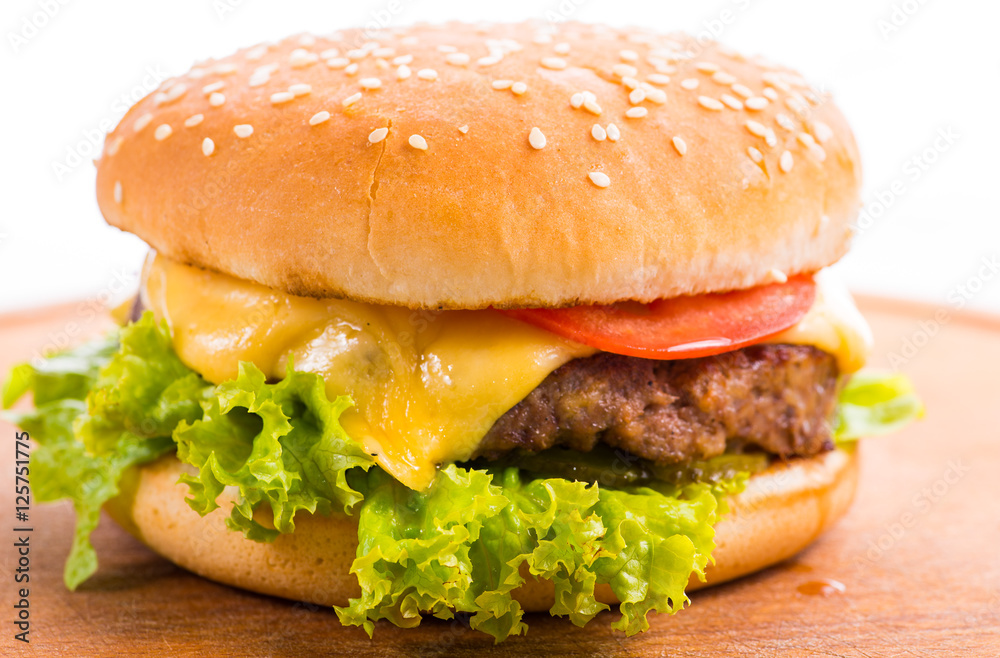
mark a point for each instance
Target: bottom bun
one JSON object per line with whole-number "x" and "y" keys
{"x": 782, "y": 510}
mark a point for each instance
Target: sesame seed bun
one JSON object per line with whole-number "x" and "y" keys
{"x": 782, "y": 510}
{"x": 464, "y": 166}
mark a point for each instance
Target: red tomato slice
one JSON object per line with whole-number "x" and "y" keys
{"x": 681, "y": 327}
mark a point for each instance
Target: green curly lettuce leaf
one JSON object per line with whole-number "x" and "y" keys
{"x": 465, "y": 543}
{"x": 280, "y": 444}
{"x": 873, "y": 403}
{"x": 100, "y": 409}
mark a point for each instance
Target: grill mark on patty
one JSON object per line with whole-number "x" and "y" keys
{"x": 776, "y": 398}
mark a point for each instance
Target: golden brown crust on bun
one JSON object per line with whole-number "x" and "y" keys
{"x": 720, "y": 172}
{"x": 781, "y": 511}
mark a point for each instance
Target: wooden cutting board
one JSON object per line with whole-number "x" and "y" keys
{"x": 918, "y": 555}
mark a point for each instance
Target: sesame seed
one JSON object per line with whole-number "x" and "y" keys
{"x": 630, "y": 83}
{"x": 243, "y": 130}
{"x": 490, "y": 61}
{"x": 536, "y": 138}
{"x": 591, "y": 106}
{"x": 786, "y": 161}
{"x": 370, "y": 83}
{"x": 796, "y": 104}
{"x": 710, "y": 103}
{"x": 142, "y": 122}
{"x": 281, "y": 97}
{"x": 806, "y": 139}
{"x": 337, "y": 62}
{"x": 418, "y": 142}
{"x": 776, "y": 276}
{"x": 561, "y": 48}
{"x": 502, "y": 84}
{"x": 818, "y": 152}
{"x": 600, "y": 179}
{"x": 207, "y": 146}
{"x": 636, "y": 112}
{"x": 215, "y": 86}
{"x": 823, "y": 131}
{"x": 457, "y": 59}
{"x": 554, "y": 63}
{"x": 770, "y": 138}
{"x": 576, "y": 100}
{"x": 770, "y": 94}
{"x": 636, "y": 96}
{"x": 384, "y": 52}
{"x": 444, "y": 48}
{"x": 351, "y": 100}
{"x": 259, "y": 80}
{"x": 625, "y": 70}
{"x": 307, "y": 40}
{"x": 723, "y": 78}
{"x": 755, "y": 155}
{"x": 162, "y": 132}
{"x": 427, "y": 74}
{"x": 658, "y": 78}
{"x": 690, "y": 83}
{"x": 613, "y": 133}
{"x": 319, "y": 118}
{"x": 756, "y": 103}
{"x": 658, "y": 96}
{"x": 300, "y": 89}
{"x": 707, "y": 67}
{"x": 784, "y": 121}
{"x": 357, "y": 53}
{"x": 378, "y": 135}
{"x": 118, "y": 191}
{"x": 598, "y": 133}
{"x": 742, "y": 90}
{"x": 732, "y": 101}
{"x": 256, "y": 52}
{"x": 775, "y": 80}
{"x": 679, "y": 145}
{"x": 463, "y": 129}
{"x": 756, "y": 128}
{"x": 351, "y": 69}
{"x": 402, "y": 59}
{"x": 329, "y": 53}
{"x": 628, "y": 55}
{"x": 519, "y": 88}
{"x": 112, "y": 146}
{"x": 301, "y": 58}
{"x": 216, "y": 99}
{"x": 193, "y": 120}
{"x": 403, "y": 72}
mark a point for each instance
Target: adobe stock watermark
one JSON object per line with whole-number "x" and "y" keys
{"x": 84, "y": 313}
{"x": 223, "y": 8}
{"x": 900, "y": 13}
{"x": 921, "y": 504}
{"x": 958, "y": 297}
{"x": 91, "y": 140}
{"x": 912, "y": 170}
{"x": 33, "y": 23}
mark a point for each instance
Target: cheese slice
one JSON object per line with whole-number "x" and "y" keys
{"x": 427, "y": 385}
{"x": 833, "y": 324}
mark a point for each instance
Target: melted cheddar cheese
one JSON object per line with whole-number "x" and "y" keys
{"x": 426, "y": 385}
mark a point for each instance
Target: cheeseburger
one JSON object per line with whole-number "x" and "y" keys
{"x": 483, "y": 319}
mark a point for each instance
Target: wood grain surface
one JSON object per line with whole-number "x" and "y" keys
{"x": 918, "y": 555}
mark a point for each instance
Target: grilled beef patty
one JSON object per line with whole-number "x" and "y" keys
{"x": 777, "y": 398}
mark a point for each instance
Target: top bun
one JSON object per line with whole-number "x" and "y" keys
{"x": 721, "y": 172}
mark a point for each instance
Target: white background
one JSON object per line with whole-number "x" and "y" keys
{"x": 904, "y": 71}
